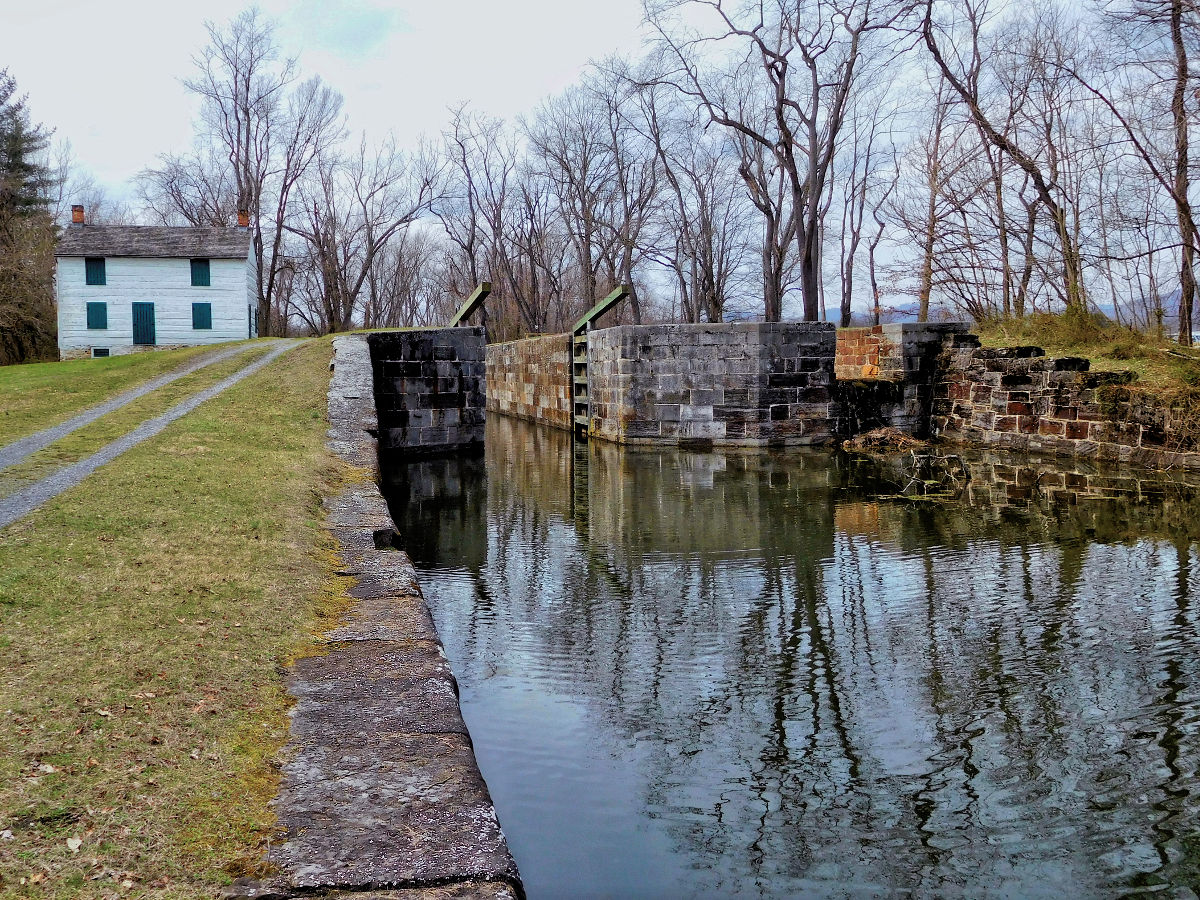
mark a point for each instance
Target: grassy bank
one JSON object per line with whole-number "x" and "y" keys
{"x": 34, "y": 396}
{"x": 1160, "y": 364}
{"x": 143, "y": 619}
{"x": 91, "y": 438}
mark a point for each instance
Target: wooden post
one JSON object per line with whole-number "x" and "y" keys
{"x": 474, "y": 302}
{"x": 590, "y": 317}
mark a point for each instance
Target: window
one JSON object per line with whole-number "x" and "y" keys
{"x": 99, "y": 352}
{"x": 97, "y": 315}
{"x": 200, "y": 276}
{"x": 202, "y": 315}
{"x": 94, "y": 270}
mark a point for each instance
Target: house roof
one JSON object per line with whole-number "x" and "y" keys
{"x": 154, "y": 241}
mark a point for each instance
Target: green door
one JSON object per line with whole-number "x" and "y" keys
{"x": 143, "y": 323}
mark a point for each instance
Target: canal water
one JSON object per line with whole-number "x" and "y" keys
{"x": 784, "y": 675}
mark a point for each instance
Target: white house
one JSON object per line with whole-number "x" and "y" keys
{"x": 123, "y": 288}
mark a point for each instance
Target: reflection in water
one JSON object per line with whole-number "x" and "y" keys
{"x": 706, "y": 674}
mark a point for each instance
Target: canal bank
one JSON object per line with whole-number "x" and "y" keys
{"x": 380, "y": 790}
{"x": 808, "y": 384}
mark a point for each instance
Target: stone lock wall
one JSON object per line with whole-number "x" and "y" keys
{"x": 429, "y": 388}
{"x": 746, "y": 383}
{"x": 887, "y": 375}
{"x": 1017, "y": 398}
{"x": 531, "y": 379}
{"x": 760, "y": 384}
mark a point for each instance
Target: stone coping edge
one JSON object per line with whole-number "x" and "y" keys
{"x": 381, "y": 794}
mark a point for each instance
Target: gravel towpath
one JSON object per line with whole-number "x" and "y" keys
{"x": 19, "y": 450}
{"x": 26, "y": 501}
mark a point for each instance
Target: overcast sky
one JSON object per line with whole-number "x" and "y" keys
{"x": 106, "y": 73}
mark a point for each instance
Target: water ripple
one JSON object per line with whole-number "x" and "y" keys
{"x": 710, "y": 675}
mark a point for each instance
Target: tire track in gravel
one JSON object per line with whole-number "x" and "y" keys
{"x": 23, "y": 448}
{"x": 28, "y": 499}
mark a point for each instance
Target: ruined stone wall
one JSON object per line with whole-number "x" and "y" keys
{"x": 887, "y": 375}
{"x": 738, "y": 384}
{"x": 531, "y": 379}
{"x": 429, "y": 388}
{"x": 1017, "y": 398}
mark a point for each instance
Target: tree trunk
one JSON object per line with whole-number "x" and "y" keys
{"x": 1187, "y": 228}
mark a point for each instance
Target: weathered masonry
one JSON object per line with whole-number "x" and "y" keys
{"x": 381, "y": 789}
{"x": 531, "y": 379}
{"x": 750, "y": 384}
{"x": 737, "y": 384}
{"x": 429, "y": 388}
{"x": 887, "y": 375}
{"x": 1017, "y": 398}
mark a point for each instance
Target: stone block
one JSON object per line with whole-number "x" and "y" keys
{"x": 1005, "y": 423}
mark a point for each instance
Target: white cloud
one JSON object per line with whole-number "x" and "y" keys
{"x": 107, "y": 75}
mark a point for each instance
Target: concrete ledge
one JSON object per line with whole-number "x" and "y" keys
{"x": 381, "y": 794}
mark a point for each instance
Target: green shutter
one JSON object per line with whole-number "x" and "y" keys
{"x": 97, "y": 315}
{"x": 94, "y": 271}
{"x": 200, "y": 274}
{"x": 202, "y": 315}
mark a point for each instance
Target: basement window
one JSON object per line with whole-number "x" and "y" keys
{"x": 93, "y": 269}
{"x": 200, "y": 273}
{"x": 99, "y": 352}
{"x": 201, "y": 315}
{"x": 97, "y": 315}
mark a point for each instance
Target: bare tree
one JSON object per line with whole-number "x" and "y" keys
{"x": 962, "y": 65}
{"x": 806, "y": 62}
{"x": 866, "y": 151}
{"x": 269, "y": 132}
{"x": 405, "y": 283}
{"x": 75, "y": 185}
{"x": 1146, "y": 28}
{"x": 353, "y": 206}
{"x": 195, "y": 188}
{"x": 698, "y": 215}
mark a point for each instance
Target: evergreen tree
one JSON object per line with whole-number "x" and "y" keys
{"x": 27, "y": 314}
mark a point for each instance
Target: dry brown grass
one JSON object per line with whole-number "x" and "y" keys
{"x": 1160, "y": 364}
{"x": 144, "y": 619}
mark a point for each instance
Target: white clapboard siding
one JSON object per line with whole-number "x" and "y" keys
{"x": 167, "y": 283}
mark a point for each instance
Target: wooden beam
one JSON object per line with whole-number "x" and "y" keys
{"x": 601, "y": 308}
{"x": 472, "y": 303}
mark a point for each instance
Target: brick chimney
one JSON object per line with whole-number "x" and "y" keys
{"x": 243, "y": 219}
{"x": 77, "y": 215}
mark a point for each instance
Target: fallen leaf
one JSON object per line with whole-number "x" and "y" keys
{"x": 92, "y": 762}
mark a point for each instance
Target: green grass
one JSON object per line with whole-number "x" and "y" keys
{"x": 87, "y": 440}
{"x": 144, "y": 618}
{"x": 34, "y": 396}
